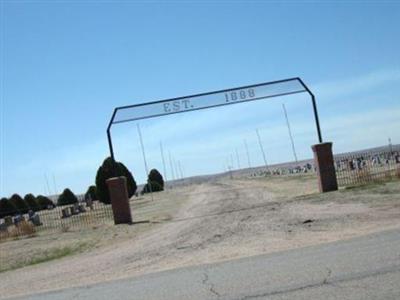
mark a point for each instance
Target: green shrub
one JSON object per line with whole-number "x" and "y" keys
{"x": 44, "y": 202}
{"x": 155, "y": 181}
{"x": 32, "y": 202}
{"x": 155, "y": 187}
{"x": 108, "y": 170}
{"x": 91, "y": 193}
{"x": 7, "y": 208}
{"x": 156, "y": 177}
{"x": 21, "y": 206}
{"x": 67, "y": 197}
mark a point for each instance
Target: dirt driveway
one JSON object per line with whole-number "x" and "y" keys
{"x": 203, "y": 223}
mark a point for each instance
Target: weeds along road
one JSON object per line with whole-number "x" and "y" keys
{"x": 362, "y": 268}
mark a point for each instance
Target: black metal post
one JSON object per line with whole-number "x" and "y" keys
{"x": 314, "y": 108}
{"x": 110, "y": 146}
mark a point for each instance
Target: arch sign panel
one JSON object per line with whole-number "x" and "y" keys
{"x": 208, "y": 100}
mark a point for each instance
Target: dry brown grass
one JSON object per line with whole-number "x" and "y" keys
{"x": 23, "y": 228}
{"x": 364, "y": 176}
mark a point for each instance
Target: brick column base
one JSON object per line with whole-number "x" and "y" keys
{"x": 323, "y": 160}
{"x": 119, "y": 200}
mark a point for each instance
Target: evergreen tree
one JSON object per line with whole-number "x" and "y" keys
{"x": 110, "y": 169}
{"x": 155, "y": 182}
{"x": 7, "y": 208}
{"x": 44, "y": 202}
{"x": 32, "y": 202}
{"x": 19, "y": 203}
{"x": 156, "y": 177}
{"x": 67, "y": 197}
{"x": 91, "y": 192}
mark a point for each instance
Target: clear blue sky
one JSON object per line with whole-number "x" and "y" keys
{"x": 65, "y": 65}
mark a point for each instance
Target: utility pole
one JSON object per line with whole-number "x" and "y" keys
{"x": 390, "y": 145}
{"x": 290, "y": 132}
{"x": 176, "y": 169}
{"x": 163, "y": 161}
{"x": 262, "y": 149}
{"x": 247, "y": 152}
{"x": 237, "y": 157}
{"x": 144, "y": 159}
{"x": 229, "y": 168}
{"x": 54, "y": 185}
{"x": 47, "y": 184}
{"x": 171, "y": 165}
{"x": 180, "y": 168}
{"x": 232, "y": 161}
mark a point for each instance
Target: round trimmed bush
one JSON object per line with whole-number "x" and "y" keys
{"x": 155, "y": 181}
{"x": 32, "y": 202}
{"x": 44, "y": 202}
{"x": 156, "y": 177}
{"x": 110, "y": 169}
{"x": 19, "y": 203}
{"x": 91, "y": 193}
{"x": 155, "y": 187}
{"x": 67, "y": 197}
{"x": 7, "y": 208}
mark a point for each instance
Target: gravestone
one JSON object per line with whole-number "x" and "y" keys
{"x": 89, "y": 203}
{"x": 65, "y": 213}
{"x": 81, "y": 208}
{"x": 8, "y": 220}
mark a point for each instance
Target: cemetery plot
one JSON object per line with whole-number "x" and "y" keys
{"x": 368, "y": 166}
{"x": 206, "y": 220}
{"x": 55, "y": 219}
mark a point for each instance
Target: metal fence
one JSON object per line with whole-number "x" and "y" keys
{"x": 352, "y": 169}
{"x": 55, "y": 218}
{"x": 367, "y": 167}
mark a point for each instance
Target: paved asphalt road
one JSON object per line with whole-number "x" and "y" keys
{"x": 361, "y": 268}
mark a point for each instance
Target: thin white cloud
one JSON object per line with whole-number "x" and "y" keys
{"x": 361, "y": 84}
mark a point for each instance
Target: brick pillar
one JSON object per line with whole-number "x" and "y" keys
{"x": 119, "y": 200}
{"x": 323, "y": 160}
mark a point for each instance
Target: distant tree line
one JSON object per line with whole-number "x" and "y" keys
{"x": 18, "y": 205}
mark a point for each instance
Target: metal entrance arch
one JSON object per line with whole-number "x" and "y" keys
{"x": 212, "y": 99}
